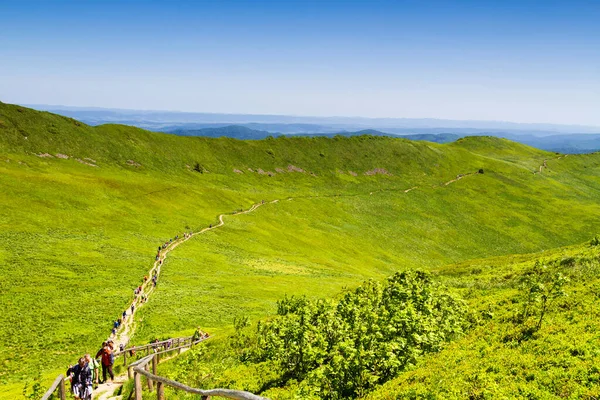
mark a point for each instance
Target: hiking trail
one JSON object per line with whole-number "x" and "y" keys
{"x": 106, "y": 391}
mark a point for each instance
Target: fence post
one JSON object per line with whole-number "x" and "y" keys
{"x": 138, "y": 386}
{"x": 160, "y": 391}
{"x": 130, "y": 372}
{"x": 150, "y": 384}
{"x": 62, "y": 393}
{"x": 154, "y": 363}
{"x": 124, "y": 358}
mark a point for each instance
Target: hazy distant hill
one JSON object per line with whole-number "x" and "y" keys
{"x": 557, "y": 138}
{"x": 245, "y": 133}
{"x": 160, "y": 119}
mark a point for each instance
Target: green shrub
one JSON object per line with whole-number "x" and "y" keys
{"x": 342, "y": 349}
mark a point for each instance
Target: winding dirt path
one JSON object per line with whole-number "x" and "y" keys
{"x": 106, "y": 391}
{"x": 544, "y": 164}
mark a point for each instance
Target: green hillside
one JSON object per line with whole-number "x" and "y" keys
{"x": 499, "y": 358}
{"x": 84, "y": 209}
{"x": 501, "y": 355}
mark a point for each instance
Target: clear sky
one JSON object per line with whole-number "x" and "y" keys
{"x": 512, "y": 60}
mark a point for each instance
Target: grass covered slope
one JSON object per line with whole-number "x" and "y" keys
{"x": 502, "y": 357}
{"x": 549, "y": 352}
{"x": 86, "y": 207}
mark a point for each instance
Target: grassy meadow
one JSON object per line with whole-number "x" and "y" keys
{"x": 79, "y": 233}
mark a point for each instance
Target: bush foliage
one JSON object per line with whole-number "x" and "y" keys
{"x": 344, "y": 348}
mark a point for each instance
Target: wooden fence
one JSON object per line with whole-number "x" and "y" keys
{"x": 142, "y": 368}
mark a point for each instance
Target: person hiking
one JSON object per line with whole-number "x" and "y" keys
{"x": 81, "y": 380}
{"x": 99, "y": 353}
{"x": 107, "y": 360}
{"x": 197, "y": 335}
{"x": 94, "y": 367}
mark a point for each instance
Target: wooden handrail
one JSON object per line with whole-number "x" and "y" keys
{"x": 227, "y": 393}
{"x": 141, "y": 366}
{"x": 151, "y": 345}
{"x": 59, "y": 383}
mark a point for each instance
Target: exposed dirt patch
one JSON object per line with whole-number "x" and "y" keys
{"x": 133, "y": 163}
{"x": 250, "y": 169}
{"x": 352, "y": 173}
{"x": 79, "y": 160}
{"x": 279, "y": 170}
{"x": 378, "y": 171}
{"x": 237, "y": 171}
{"x": 63, "y": 156}
{"x": 260, "y": 171}
{"x": 293, "y": 168}
{"x": 44, "y": 155}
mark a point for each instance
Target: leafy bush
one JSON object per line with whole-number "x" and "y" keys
{"x": 342, "y": 349}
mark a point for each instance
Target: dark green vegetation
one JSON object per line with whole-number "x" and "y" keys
{"x": 80, "y": 232}
{"x": 344, "y": 348}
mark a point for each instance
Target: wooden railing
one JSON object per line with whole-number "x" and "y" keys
{"x": 180, "y": 343}
{"x": 59, "y": 384}
{"x": 142, "y": 368}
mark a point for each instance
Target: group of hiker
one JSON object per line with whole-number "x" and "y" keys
{"x": 166, "y": 244}
{"x": 85, "y": 375}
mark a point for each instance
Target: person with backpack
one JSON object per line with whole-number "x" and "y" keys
{"x": 107, "y": 360}
{"x": 81, "y": 380}
{"x": 94, "y": 367}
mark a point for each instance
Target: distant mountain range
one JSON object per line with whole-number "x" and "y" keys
{"x": 557, "y": 138}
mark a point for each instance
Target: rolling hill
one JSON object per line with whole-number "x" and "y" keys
{"x": 84, "y": 209}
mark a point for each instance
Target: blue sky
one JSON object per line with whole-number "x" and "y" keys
{"x": 522, "y": 61}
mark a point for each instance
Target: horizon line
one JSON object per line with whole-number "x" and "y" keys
{"x": 98, "y": 108}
